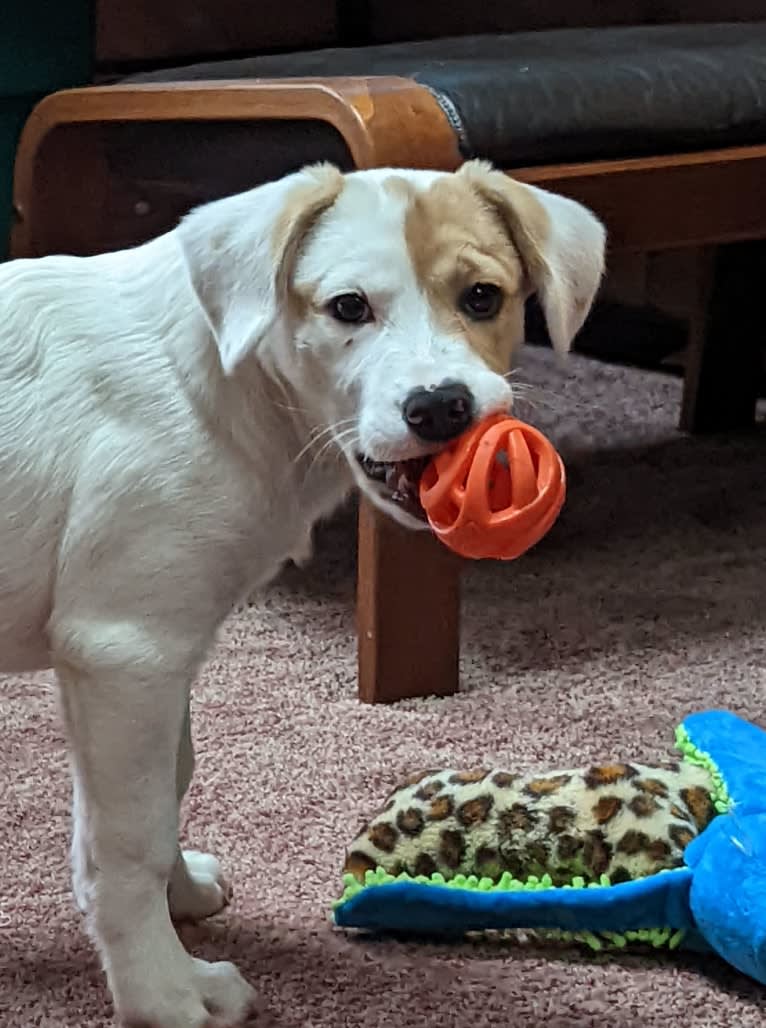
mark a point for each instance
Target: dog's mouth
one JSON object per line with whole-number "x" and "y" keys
{"x": 398, "y": 481}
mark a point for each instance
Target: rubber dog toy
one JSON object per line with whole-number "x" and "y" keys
{"x": 667, "y": 855}
{"x": 495, "y": 491}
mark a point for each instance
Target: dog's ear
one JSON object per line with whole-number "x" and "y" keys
{"x": 241, "y": 251}
{"x": 561, "y": 244}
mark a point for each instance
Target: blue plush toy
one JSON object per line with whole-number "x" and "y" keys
{"x": 669, "y": 855}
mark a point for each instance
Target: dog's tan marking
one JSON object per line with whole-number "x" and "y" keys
{"x": 302, "y": 209}
{"x": 522, "y": 216}
{"x": 456, "y": 241}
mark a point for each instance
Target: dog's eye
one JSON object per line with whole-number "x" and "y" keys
{"x": 482, "y": 301}
{"x": 351, "y": 308}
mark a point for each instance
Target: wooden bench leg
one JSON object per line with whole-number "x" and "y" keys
{"x": 408, "y": 609}
{"x": 726, "y": 341}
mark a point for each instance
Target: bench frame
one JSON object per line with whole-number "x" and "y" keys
{"x": 408, "y": 589}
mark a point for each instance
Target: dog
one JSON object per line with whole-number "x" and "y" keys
{"x": 176, "y": 417}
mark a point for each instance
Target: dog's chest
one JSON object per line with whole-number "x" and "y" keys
{"x": 281, "y": 526}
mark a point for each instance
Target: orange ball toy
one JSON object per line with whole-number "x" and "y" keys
{"x": 495, "y": 491}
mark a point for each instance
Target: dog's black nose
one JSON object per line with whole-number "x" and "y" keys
{"x": 438, "y": 415}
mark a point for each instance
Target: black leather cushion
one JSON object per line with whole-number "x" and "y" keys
{"x": 573, "y": 94}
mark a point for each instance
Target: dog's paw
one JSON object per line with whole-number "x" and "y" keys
{"x": 217, "y": 997}
{"x": 227, "y": 997}
{"x": 197, "y": 887}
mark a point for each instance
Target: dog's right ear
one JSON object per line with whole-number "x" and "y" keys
{"x": 561, "y": 244}
{"x": 241, "y": 251}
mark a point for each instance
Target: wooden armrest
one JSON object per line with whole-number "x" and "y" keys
{"x": 385, "y": 121}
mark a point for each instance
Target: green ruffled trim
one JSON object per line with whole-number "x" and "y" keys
{"x": 722, "y": 801}
{"x": 507, "y": 883}
{"x": 658, "y": 938}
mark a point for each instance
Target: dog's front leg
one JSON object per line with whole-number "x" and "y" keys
{"x": 197, "y": 887}
{"x": 124, "y": 701}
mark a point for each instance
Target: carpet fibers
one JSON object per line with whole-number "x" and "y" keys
{"x": 646, "y": 602}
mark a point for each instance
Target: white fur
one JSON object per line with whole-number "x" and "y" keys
{"x": 168, "y": 436}
{"x": 574, "y": 259}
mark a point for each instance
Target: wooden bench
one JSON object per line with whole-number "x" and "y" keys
{"x": 659, "y": 129}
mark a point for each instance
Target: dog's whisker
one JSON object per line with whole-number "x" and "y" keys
{"x": 340, "y": 436}
{"x": 535, "y": 395}
{"x": 512, "y": 373}
{"x": 530, "y": 392}
{"x": 541, "y": 403}
{"x": 290, "y": 407}
{"x": 318, "y": 434}
{"x": 303, "y": 451}
{"x": 337, "y": 441}
{"x": 530, "y": 389}
{"x": 320, "y": 431}
{"x": 344, "y": 437}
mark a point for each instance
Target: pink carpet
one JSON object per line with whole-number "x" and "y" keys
{"x": 645, "y": 603}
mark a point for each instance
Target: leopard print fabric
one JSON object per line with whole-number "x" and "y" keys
{"x": 625, "y": 821}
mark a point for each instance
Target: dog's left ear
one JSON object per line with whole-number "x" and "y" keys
{"x": 561, "y": 244}
{"x": 241, "y": 251}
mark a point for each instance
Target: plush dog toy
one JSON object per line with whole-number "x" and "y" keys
{"x": 670, "y": 855}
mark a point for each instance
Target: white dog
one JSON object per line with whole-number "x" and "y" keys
{"x": 173, "y": 420}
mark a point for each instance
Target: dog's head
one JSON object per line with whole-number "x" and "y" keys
{"x": 391, "y": 301}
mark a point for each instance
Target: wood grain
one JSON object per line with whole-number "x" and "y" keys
{"x": 678, "y": 200}
{"x": 408, "y": 612}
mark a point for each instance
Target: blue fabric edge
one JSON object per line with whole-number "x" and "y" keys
{"x": 411, "y": 907}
